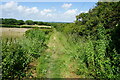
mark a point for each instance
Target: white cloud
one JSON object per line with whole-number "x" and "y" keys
{"x": 66, "y": 6}
{"x": 83, "y": 11}
{"x": 71, "y": 12}
{"x": 45, "y": 11}
{"x": 10, "y": 4}
{"x": 14, "y": 10}
{"x": 50, "y": 15}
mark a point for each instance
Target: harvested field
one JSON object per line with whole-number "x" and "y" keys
{"x": 12, "y": 32}
{"x": 44, "y": 26}
{"x": 40, "y": 26}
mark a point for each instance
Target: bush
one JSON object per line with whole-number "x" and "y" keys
{"x": 14, "y": 59}
{"x": 37, "y": 41}
{"x": 17, "y": 54}
{"x": 26, "y": 27}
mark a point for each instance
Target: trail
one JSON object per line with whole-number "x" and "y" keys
{"x": 60, "y": 65}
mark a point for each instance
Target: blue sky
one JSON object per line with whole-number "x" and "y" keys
{"x": 81, "y": 6}
{"x": 44, "y": 11}
{"x": 50, "y": 0}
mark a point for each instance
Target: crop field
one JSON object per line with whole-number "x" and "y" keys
{"x": 44, "y": 26}
{"x": 12, "y": 32}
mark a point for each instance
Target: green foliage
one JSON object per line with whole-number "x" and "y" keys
{"x": 29, "y": 22}
{"x": 9, "y": 21}
{"x": 109, "y": 16}
{"x": 17, "y": 54}
{"x": 14, "y": 59}
{"x": 91, "y": 57}
{"x": 95, "y": 41}
{"x": 27, "y": 27}
{"x": 20, "y": 22}
{"x": 10, "y": 26}
{"x": 35, "y": 34}
{"x": 15, "y": 22}
{"x": 1, "y": 19}
{"x": 42, "y": 67}
{"x": 37, "y": 42}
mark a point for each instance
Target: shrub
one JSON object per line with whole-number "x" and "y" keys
{"x": 14, "y": 59}
{"x": 37, "y": 40}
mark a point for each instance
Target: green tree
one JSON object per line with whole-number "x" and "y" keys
{"x": 35, "y": 22}
{"x": 40, "y": 23}
{"x": 20, "y": 22}
{"x": 10, "y": 21}
{"x": 29, "y": 22}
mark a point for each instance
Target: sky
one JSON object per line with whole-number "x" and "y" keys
{"x": 51, "y": 0}
{"x": 44, "y": 11}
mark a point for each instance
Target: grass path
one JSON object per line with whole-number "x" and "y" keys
{"x": 57, "y": 61}
{"x": 60, "y": 65}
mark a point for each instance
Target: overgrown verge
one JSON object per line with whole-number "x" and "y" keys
{"x": 18, "y": 53}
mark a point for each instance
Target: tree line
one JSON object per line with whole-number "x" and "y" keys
{"x": 12, "y": 21}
